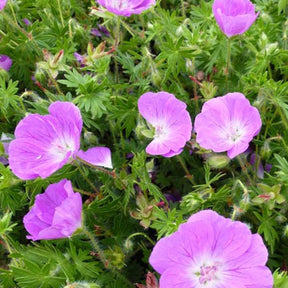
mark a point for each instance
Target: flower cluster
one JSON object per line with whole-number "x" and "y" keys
{"x": 171, "y": 122}
{"x": 207, "y": 251}
{"x": 43, "y": 144}
{"x": 213, "y": 252}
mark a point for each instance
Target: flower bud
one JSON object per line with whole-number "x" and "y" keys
{"x": 266, "y": 151}
{"x": 218, "y": 161}
{"x": 128, "y": 245}
{"x": 115, "y": 257}
{"x": 208, "y": 90}
{"x": 156, "y": 77}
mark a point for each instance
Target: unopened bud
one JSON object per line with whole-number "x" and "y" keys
{"x": 266, "y": 151}
{"x": 208, "y": 90}
{"x": 218, "y": 161}
{"x": 156, "y": 77}
{"x": 285, "y": 232}
{"x": 128, "y": 245}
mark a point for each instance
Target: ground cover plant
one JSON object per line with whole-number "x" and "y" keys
{"x": 143, "y": 143}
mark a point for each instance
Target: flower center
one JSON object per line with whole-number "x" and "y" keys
{"x": 61, "y": 147}
{"x": 235, "y": 132}
{"x": 160, "y": 131}
{"x": 207, "y": 274}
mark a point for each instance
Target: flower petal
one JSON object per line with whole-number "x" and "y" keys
{"x": 98, "y": 156}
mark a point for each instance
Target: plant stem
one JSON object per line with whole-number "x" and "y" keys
{"x": 111, "y": 173}
{"x": 244, "y": 169}
{"x": 103, "y": 258}
{"x": 86, "y": 178}
{"x": 96, "y": 247}
{"x": 116, "y": 44}
{"x": 15, "y": 24}
{"x": 13, "y": 13}
{"x": 188, "y": 175}
{"x": 84, "y": 192}
{"x": 141, "y": 234}
{"x": 54, "y": 83}
{"x": 60, "y": 12}
{"x": 228, "y": 63}
{"x": 183, "y": 9}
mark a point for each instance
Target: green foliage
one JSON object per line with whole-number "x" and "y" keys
{"x": 167, "y": 48}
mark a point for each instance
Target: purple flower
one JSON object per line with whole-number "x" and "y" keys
{"x": 2, "y": 4}
{"x": 100, "y": 31}
{"x": 213, "y": 252}
{"x": 80, "y": 58}
{"x": 26, "y": 22}
{"x": 234, "y": 17}
{"x": 56, "y": 213}
{"x": 256, "y": 160}
{"x": 227, "y": 123}
{"x": 5, "y": 61}
{"x": 126, "y": 7}
{"x": 171, "y": 122}
{"x": 43, "y": 144}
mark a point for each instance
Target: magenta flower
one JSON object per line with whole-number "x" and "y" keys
{"x": 100, "y": 31}
{"x": 170, "y": 120}
{"x": 43, "y": 144}
{"x": 126, "y": 7}
{"x": 227, "y": 123}
{"x": 234, "y": 17}
{"x": 56, "y": 213}
{"x": 2, "y": 4}
{"x": 5, "y": 61}
{"x": 211, "y": 251}
{"x": 26, "y": 21}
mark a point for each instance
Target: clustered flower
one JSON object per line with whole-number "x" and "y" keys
{"x": 210, "y": 251}
{"x": 207, "y": 251}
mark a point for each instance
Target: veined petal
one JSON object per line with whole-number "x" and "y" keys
{"x": 30, "y": 160}
{"x": 227, "y": 123}
{"x": 59, "y": 218}
{"x": 98, "y": 156}
{"x": 171, "y": 120}
{"x": 44, "y": 144}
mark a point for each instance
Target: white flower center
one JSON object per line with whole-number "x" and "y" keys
{"x": 61, "y": 146}
{"x": 160, "y": 131}
{"x": 234, "y": 132}
{"x": 207, "y": 274}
